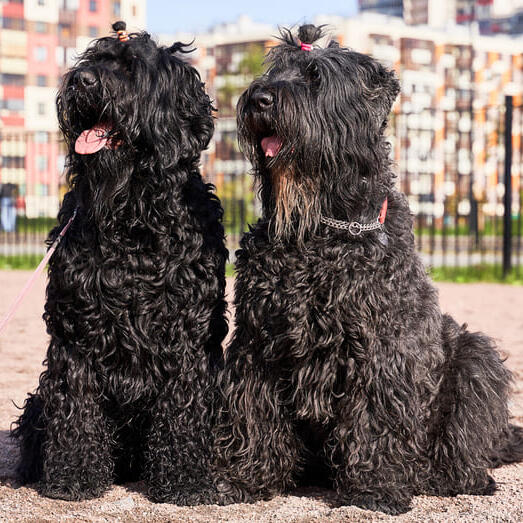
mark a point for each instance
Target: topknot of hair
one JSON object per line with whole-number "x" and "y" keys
{"x": 119, "y": 26}
{"x": 180, "y": 47}
{"x": 309, "y": 33}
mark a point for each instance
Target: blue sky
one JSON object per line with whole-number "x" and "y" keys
{"x": 171, "y": 16}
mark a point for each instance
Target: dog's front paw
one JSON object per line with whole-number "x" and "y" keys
{"x": 229, "y": 493}
{"x": 182, "y": 496}
{"x": 70, "y": 492}
{"x": 380, "y": 502}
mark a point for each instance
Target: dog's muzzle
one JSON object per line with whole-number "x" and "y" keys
{"x": 262, "y": 100}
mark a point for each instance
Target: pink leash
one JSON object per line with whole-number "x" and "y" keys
{"x": 33, "y": 277}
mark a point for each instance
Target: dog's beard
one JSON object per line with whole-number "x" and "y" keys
{"x": 296, "y": 206}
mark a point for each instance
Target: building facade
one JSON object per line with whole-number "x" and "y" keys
{"x": 484, "y": 16}
{"x": 384, "y": 7}
{"x": 447, "y": 123}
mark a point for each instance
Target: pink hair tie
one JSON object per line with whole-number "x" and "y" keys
{"x": 306, "y": 47}
{"x": 122, "y": 35}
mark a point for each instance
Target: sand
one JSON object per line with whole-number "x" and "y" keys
{"x": 494, "y": 309}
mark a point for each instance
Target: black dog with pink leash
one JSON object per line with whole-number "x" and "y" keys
{"x": 135, "y": 300}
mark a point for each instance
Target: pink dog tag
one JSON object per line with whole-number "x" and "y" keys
{"x": 92, "y": 140}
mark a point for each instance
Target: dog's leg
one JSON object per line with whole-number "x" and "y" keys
{"x": 371, "y": 470}
{"x": 472, "y": 417}
{"x": 178, "y": 446}
{"x": 29, "y": 431}
{"x": 257, "y": 448}
{"x": 77, "y": 461}
{"x": 377, "y": 448}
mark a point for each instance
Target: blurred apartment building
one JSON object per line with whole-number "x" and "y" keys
{"x": 39, "y": 40}
{"x": 446, "y": 127}
{"x": 228, "y": 58}
{"x": 447, "y": 124}
{"x": 486, "y": 16}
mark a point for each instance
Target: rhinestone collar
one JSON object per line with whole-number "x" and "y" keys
{"x": 356, "y": 228}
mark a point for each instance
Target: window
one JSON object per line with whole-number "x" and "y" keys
{"x": 93, "y": 31}
{"x": 64, "y": 30}
{"x": 12, "y": 79}
{"x": 41, "y": 80}
{"x": 41, "y": 109}
{"x": 17, "y": 24}
{"x": 41, "y": 137}
{"x": 134, "y": 10}
{"x": 41, "y": 163}
{"x": 13, "y": 162}
{"x": 40, "y": 53}
{"x": 13, "y": 104}
{"x": 40, "y": 27}
{"x": 41, "y": 2}
{"x": 70, "y": 56}
{"x": 117, "y": 8}
{"x": 92, "y": 6}
{"x": 60, "y": 56}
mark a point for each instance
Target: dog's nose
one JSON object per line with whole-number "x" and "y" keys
{"x": 86, "y": 77}
{"x": 262, "y": 100}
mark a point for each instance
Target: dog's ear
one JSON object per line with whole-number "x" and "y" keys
{"x": 394, "y": 85}
{"x": 382, "y": 84}
{"x": 391, "y": 87}
{"x": 193, "y": 107}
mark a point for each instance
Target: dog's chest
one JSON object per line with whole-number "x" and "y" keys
{"x": 307, "y": 296}
{"x": 134, "y": 310}
{"x": 304, "y": 322}
{"x": 317, "y": 316}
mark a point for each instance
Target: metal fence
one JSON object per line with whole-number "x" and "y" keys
{"x": 462, "y": 172}
{"x": 31, "y": 188}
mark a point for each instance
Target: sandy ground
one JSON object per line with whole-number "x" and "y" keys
{"x": 495, "y": 309}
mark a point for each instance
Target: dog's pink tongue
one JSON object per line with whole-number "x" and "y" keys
{"x": 92, "y": 140}
{"x": 271, "y": 146}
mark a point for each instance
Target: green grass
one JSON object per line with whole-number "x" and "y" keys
{"x": 26, "y": 262}
{"x": 229, "y": 270}
{"x": 463, "y": 230}
{"x": 34, "y": 225}
{"x": 485, "y": 273}
{"x": 474, "y": 274}
{"x": 489, "y": 229}
{"x": 29, "y": 262}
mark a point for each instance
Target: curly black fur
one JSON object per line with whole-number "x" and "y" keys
{"x": 135, "y": 300}
{"x": 342, "y": 369}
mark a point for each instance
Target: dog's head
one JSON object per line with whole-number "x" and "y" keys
{"x": 136, "y": 98}
{"x": 313, "y": 127}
